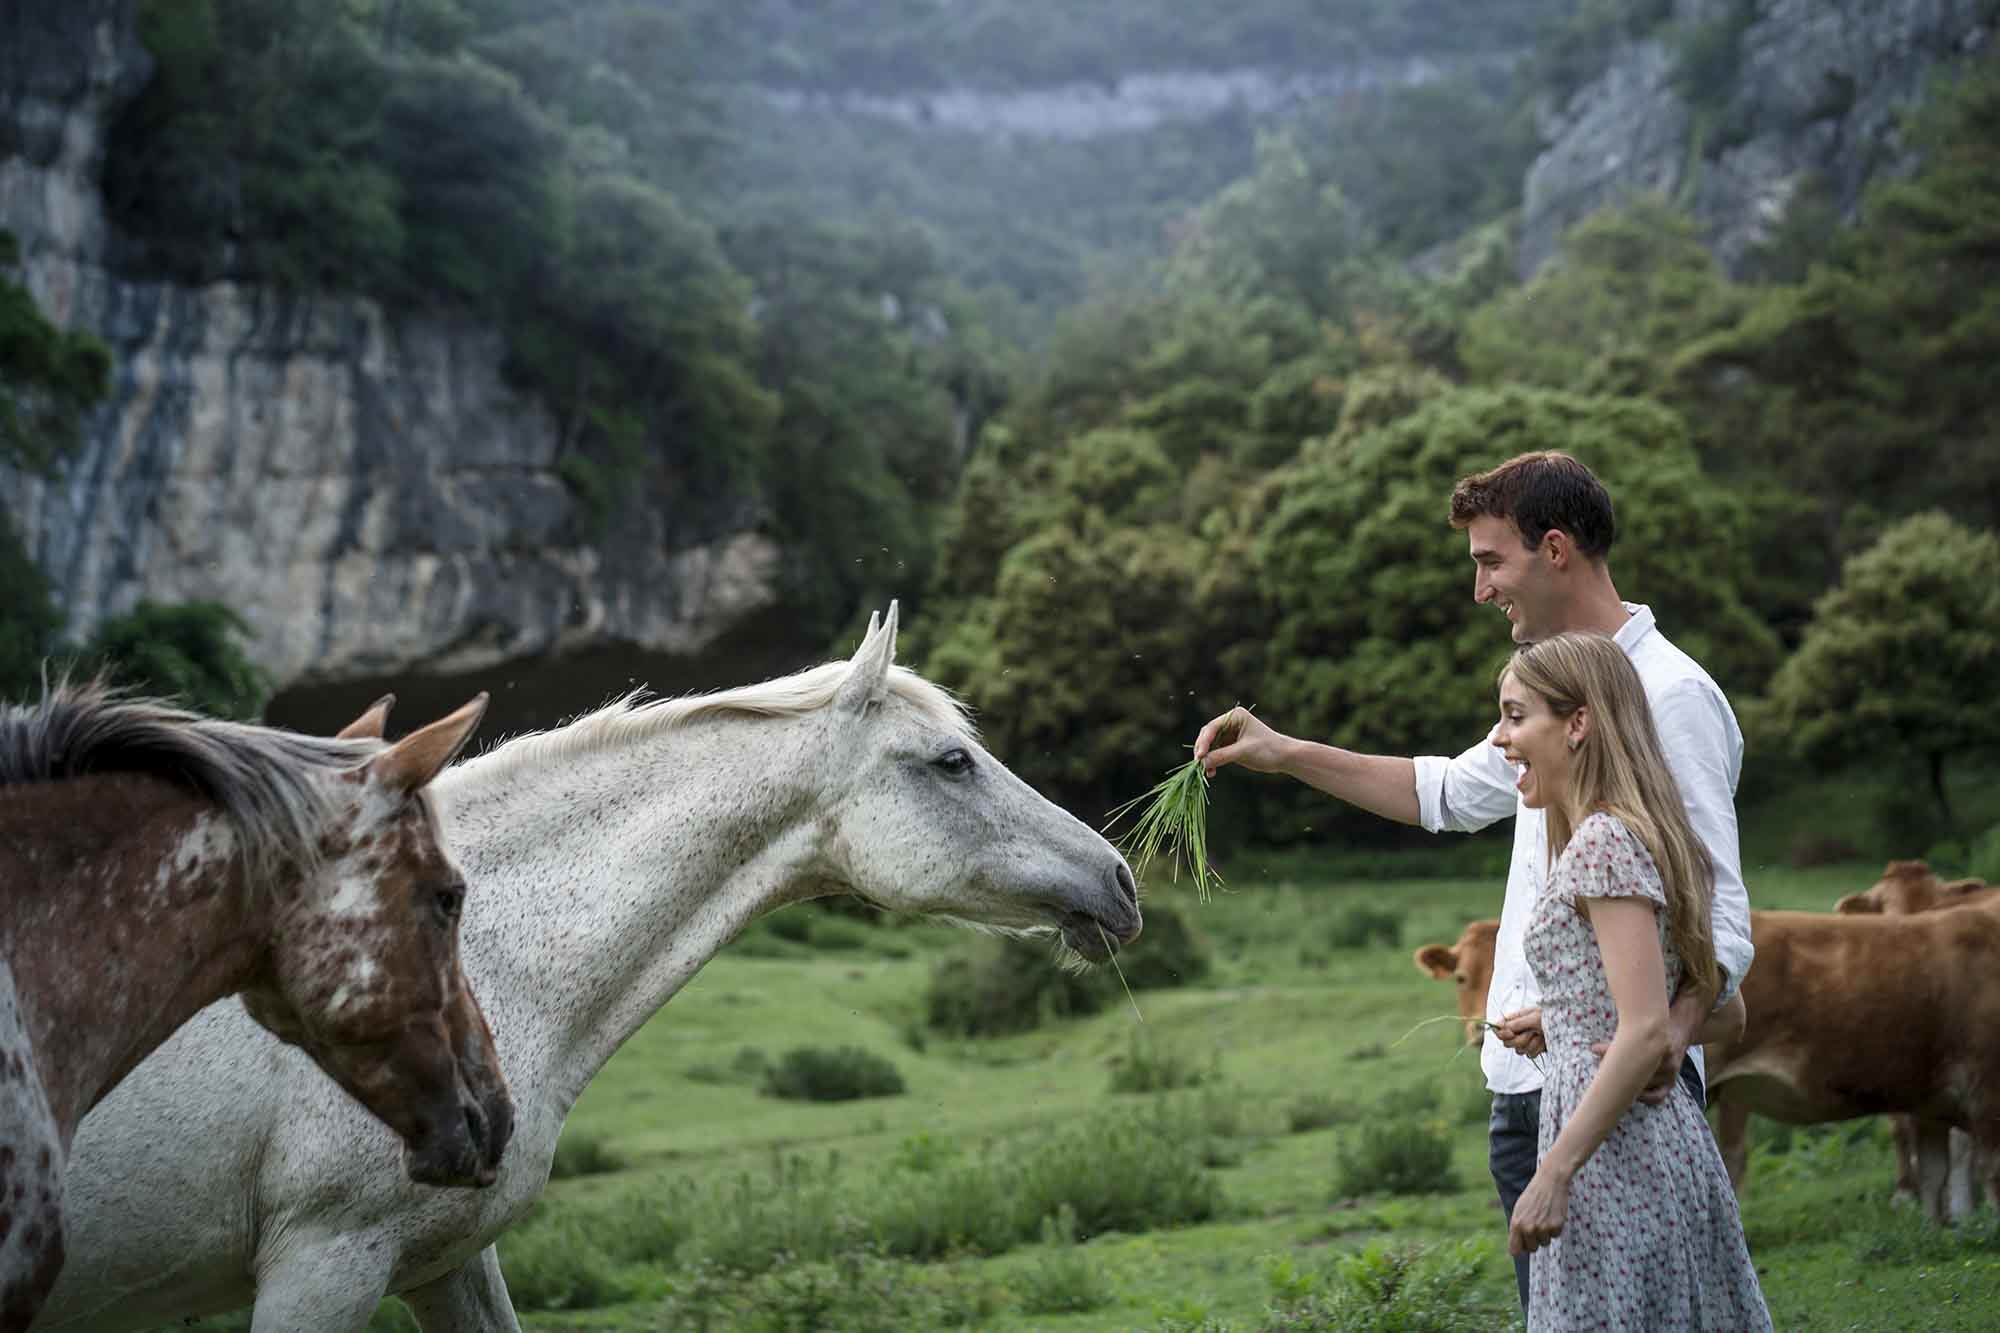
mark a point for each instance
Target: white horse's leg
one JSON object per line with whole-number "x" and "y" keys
{"x": 469, "y": 1299}
{"x": 327, "y": 1288}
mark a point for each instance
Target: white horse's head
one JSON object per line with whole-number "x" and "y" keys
{"x": 921, "y": 818}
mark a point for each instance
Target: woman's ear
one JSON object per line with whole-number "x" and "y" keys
{"x": 1577, "y": 729}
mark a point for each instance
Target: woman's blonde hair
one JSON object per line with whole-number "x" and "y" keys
{"x": 1621, "y": 769}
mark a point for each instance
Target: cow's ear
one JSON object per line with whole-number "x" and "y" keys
{"x": 1437, "y": 962}
{"x": 1858, "y": 904}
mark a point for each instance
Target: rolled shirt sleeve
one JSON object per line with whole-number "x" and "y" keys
{"x": 1705, "y": 751}
{"x": 1465, "y": 793}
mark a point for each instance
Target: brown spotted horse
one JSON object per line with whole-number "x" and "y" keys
{"x": 153, "y": 861}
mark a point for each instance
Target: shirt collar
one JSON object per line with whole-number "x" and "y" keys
{"x": 1634, "y": 629}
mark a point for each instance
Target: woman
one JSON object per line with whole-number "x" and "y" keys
{"x": 1629, "y": 1218}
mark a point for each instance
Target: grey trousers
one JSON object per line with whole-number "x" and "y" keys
{"x": 1514, "y": 1146}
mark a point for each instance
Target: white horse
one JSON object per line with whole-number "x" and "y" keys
{"x": 612, "y": 858}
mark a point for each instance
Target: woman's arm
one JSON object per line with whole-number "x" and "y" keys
{"x": 1628, "y": 937}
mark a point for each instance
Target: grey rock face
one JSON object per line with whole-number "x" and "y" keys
{"x": 367, "y": 491}
{"x": 1819, "y": 90}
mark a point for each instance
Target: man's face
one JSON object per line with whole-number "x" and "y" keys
{"x": 1513, "y": 578}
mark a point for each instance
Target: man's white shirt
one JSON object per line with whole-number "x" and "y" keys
{"x": 1704, "y": 748}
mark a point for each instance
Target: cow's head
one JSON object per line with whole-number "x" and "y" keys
{"x": 1470, "y": 964}
{"x": 1908, "y": 887}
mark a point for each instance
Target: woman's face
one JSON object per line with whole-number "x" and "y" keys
{"x": 1535, "y": 741}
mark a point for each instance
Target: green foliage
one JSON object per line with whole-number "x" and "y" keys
{"x": 1983, "y": 859}
{"x": 1384, "y": 1289}
{"x": 1063, "y": 1279}
{"x": 818, "y": 1074}
{"x": 1171, "y": 951}
{"x": 1628, "y": 289}
{"x": 1376, "y": 644}
{"x": 1358, "y": 925}
{"x": 1407, "y": 1156}
{"x": 48, "y": 378}
{"x": 29, "y": 621}
{"x": 1006, "y": 985}
{"x": 583, "y": 1154}
{"x": 190, "y": 651}
{"x": 1880, "y": 355}
{"x": 1153, "y": 1064}
{"x": 1901, "y": 656}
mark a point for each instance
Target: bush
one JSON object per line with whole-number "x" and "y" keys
{"x": 855, "y": 1291}
{"x": 1395, "y": 1157}
{"x": 1357, "y": 925}
{"x": 1003, "y": 986}
{"x": 841, "y": 1074}
{"x": 579, "y": 1153}
{"x": 1985, "y": 859}
{"x": 1314, "y": 1110}
{"x": 1063, "y": 1280}
{"x": 1383, "y": 1290}
{"x": 1169, "y": 952}
{"x": 1153, "y": 1066}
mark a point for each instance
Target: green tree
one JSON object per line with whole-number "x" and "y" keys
{"x": 191, "y": 651}
{"x": 1901, "y": 656}
{"x": 1375, "y": 642}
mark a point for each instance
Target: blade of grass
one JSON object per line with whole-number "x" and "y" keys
{"x": 1112, "y": 954}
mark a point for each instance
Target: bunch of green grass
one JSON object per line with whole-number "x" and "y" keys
{"x": 1174, "y": 822}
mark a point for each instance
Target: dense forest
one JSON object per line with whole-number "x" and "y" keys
{"x": 1186, "y": 443}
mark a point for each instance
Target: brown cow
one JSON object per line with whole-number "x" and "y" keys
{"x": 1470, "y": 964}
{"x": 1853, "y": 1015}
{"x": 1908, "y": 887}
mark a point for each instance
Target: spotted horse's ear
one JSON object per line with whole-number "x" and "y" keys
{"x": 368, "y": 727}
{"x": 867, "y": 680}
{"x": 420, "y": 756}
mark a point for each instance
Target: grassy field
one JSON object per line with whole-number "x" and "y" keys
{"x": 689, "y": 1199}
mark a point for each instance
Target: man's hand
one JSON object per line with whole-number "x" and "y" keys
{"x": 1661, "y": 1085}
{"x": 1237, "y": 737}
{"x": 1522, "y": 1030}
{"x": 1539, "y": 1213}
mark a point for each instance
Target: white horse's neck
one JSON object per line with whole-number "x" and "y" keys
{"x": 602, "y": 883}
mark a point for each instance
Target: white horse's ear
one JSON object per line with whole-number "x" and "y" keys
{"x": 867, "y": 680}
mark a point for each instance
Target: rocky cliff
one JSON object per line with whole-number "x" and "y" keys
{"x": 365, "y": 489}
{"x": 1814, "y": 100}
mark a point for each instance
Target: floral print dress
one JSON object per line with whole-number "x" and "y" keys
{"x": 1652, "y": 1240}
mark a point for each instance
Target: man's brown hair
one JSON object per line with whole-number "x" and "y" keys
{"x": 1538, "y": 492}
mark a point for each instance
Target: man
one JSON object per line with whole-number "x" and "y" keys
{"x": 1540, "y": 527}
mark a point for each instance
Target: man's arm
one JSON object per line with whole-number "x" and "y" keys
{"x": 1705, "y": 753}
{"x": 1465, "y": 793}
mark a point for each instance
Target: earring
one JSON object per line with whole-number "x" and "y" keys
{"x": 1574, "y": 745}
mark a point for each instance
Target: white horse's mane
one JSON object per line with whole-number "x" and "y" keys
{"x": 635, "y": 718}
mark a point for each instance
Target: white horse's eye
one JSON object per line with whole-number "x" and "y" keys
{"x": 955, "y": 762}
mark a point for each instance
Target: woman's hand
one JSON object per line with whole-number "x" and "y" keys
{"x": 1522, "y": 1030}
{"x": 1539, "y": 1213}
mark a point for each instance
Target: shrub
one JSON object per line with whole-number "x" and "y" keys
{"x": 1358, "y": 925}
{"x": 840, "y": 935}
{"x": 583, "y": 1154}
{"x": 840, "y": 1074}
{"x": 1985, "y": 859}
{"x": 1384, "y": 1290}
{"x": 1169, "y": 952}
{"x": 855, "y": 1291}
{"x": 1003, "y": 986}
{"x": 1063, "y": 1280}
{"x": 1153, "y": 1066}
{"x": 1314, "y": 1110}
{"x": 553, "y": 1262}
{"x": 1395, "y": 1157}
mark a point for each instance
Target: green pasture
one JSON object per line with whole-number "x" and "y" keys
{"x": 1300, "y": 1048}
